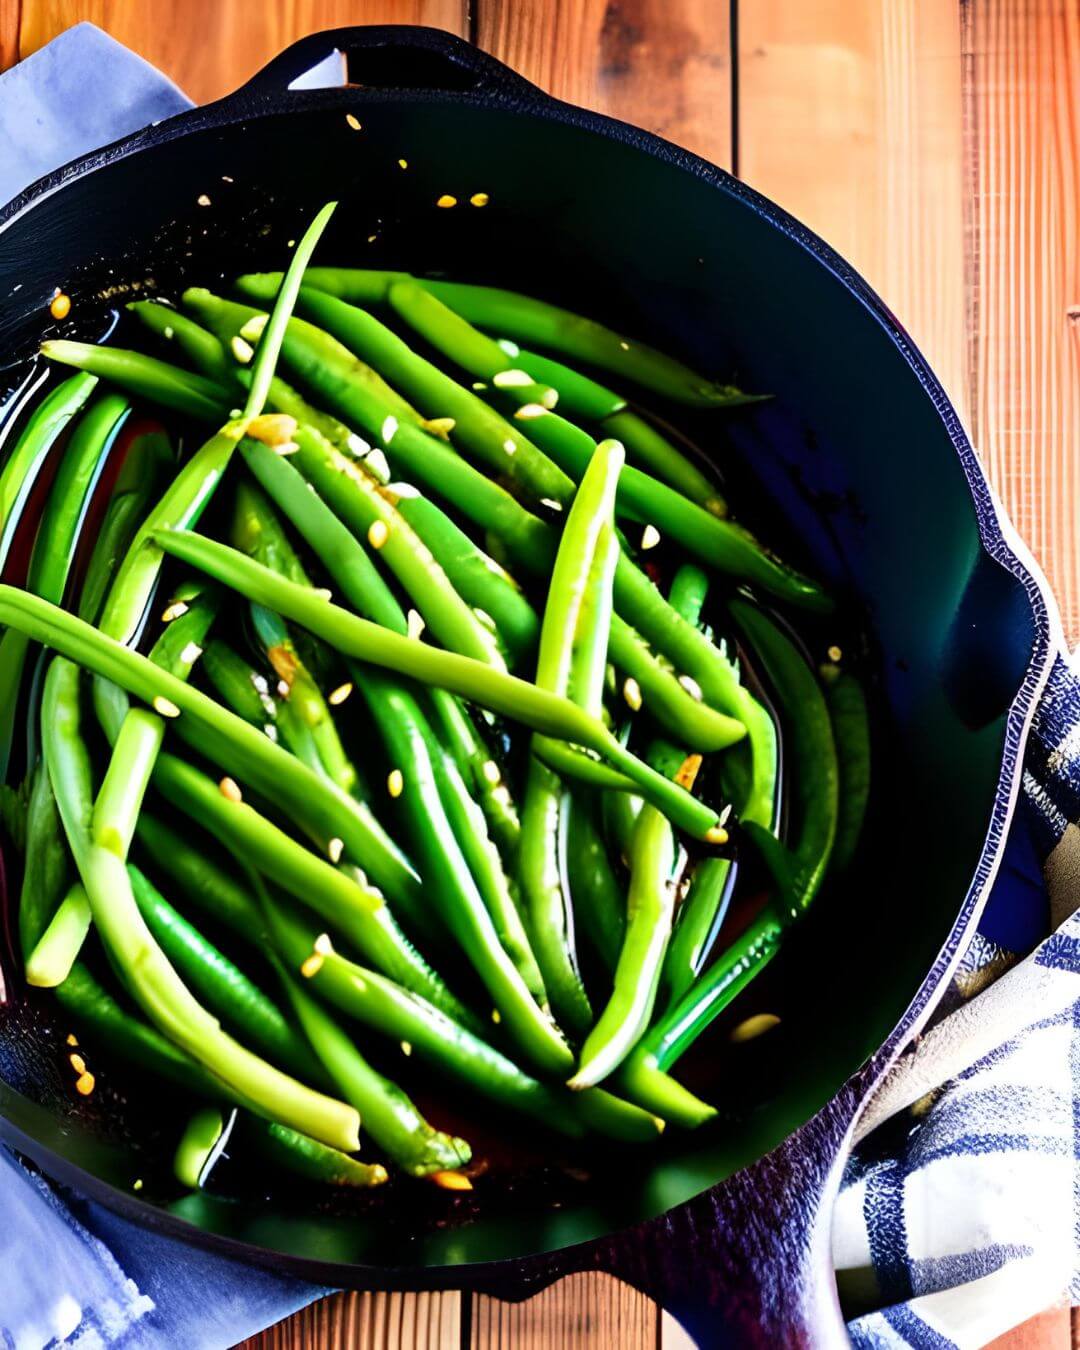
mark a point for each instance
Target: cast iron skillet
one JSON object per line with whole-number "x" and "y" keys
{"x": 858, "y": 467}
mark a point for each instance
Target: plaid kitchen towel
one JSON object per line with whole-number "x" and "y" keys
{"x": 959, "y": 1209}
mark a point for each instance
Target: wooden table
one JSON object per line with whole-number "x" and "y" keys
{"x": 935, "y": 143}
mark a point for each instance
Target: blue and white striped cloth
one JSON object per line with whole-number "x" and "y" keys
{"x": 959, "y": 1211}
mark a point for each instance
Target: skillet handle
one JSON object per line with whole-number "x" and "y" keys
{"x": 394, "y": 56}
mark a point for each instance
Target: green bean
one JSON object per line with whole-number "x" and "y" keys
{"x": 49, "y": 964}
{"x": 201, "y": 348}
{"x": 526, "y": 320}
{"x": 339, "y": 898}
{"x": 240, "y": 686}
{"x": 151, "y": 979}
{"x": 408, "y": 740}
{"x": 188, "y": 867}
{"x": 223, "y": 988}
{"x": 144, "y": 376}
{"x": 700, "y": 914}
{"x": 650, "y": 904}
{"x": 199, "y": 1147}
{"x": 481, "y": 774}
{"x": 851, "y": 733}
{"x": 388, "y": 1115}
{"x": 579, "y": 396}
{"x": 45, "y": 863}
{"x": 314, "y": 1161}
{"x": 651, "y": 449}
{"x": 573, "y": 641}
{"x": 257, "y": 530}
{"x": 347, "y": 562}
{"x": 123, "y": 516}
{"x": 499, "y": 692}
{"x": 597, "y": 897}
{"x": 452, "y": 1048}
{"x": 44, "y": 426}
{"x": 813, "y": 755}
{"x": 96, "y": 1011}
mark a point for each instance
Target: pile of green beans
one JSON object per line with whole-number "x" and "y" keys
{"x": 431, "y": 658}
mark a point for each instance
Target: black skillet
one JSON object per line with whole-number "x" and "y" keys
{"x": 858, "y": 468}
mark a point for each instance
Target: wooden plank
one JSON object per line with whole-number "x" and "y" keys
{"x": 850, "y": 117}
{"x": 430, "y": 1321}
{"x": 211, "y": 46}
{"x": 582, "y": 1312}
{"x": 1049, "y": 1331}
{"x": 662, "y": 64}
{"x": 1023, "y": 126}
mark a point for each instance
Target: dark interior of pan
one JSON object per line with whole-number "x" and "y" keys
{"x": 856, "y": 469}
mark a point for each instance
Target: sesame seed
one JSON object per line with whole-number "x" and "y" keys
{"x": 323, "y": 593}
{"x": 479, "y": 384}
{"x": 78, "y": 1063}
{"x": 625, "y": 346}
{"x": 549, "y": 398}
{"x": 61, "y": 306}
{"x": 378, "y": 533}
{"x": 527, "y": 411}
{"x": 403, "y": 163}
{"x": 510, "y": 446}
{"x": 512, "y": 379}
{"x": 479, "y": 199}
{"x": 137, "y": 1184}
{"x": 691, "y": 686}
{"x": 834, "y": 653}
{"x": 84, "y": 1084}
{"x": 271, "y": 732}
{"x": 284, "y": 688}
{"x": 323, "y": 945}
{"x": 230, "y": 790}
{"x": 632, "y": 693}
{"x": 509, "y": 347}
{"x": 650, "y": 537}
{"x": 174, "y": 611}
{"x": 395, "y": 782}
{"x": 335, "y": 848}
{"x": 416, "y": 624}
{"x": 452, "y": 1181}
{"x": 272, "y": 428}
{"x": 753, "y": 1027}
{"x": 491, "y": 772}
{"x": 496, "y": 1016}
{"x": 340, "y": 694}
{"x": 716, "y": 835}
{"x": 169, "y": 331}
{"x": 243, "y": 351}
{"x": 446, "y": 201}
{"x": 225, "y": 178}
{"x": 203, "y": 199}
{"x": 285, "y": 448}
{"x": 406, "y": 1047}
{"x": 253, "y": 331}
{"x": 389, "y": 427}
{"x": 311, "y": 965}
{"x": 354, "y": 122}
{"x": 377, "y": 465}
{"x": 440, "y": 426}
{"x": 551, "y": 503}
{"x": 165, "y": 706}
{"x": 191, "y": 654}
{"x": 501, "y": 795}
{"x": 356, "y": 445}
{"x": 371, "y": 238}
{"x": 72, "y": 1039}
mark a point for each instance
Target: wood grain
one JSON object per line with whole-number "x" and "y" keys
{"x": 583, "y": 1312}
{"x": 210, "y": 46}
{"x": 1023, "y": 127}
{"x": 851, "y": 119}
{"x": 663, "y": 64}
{"x": 429, "y": 1321}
